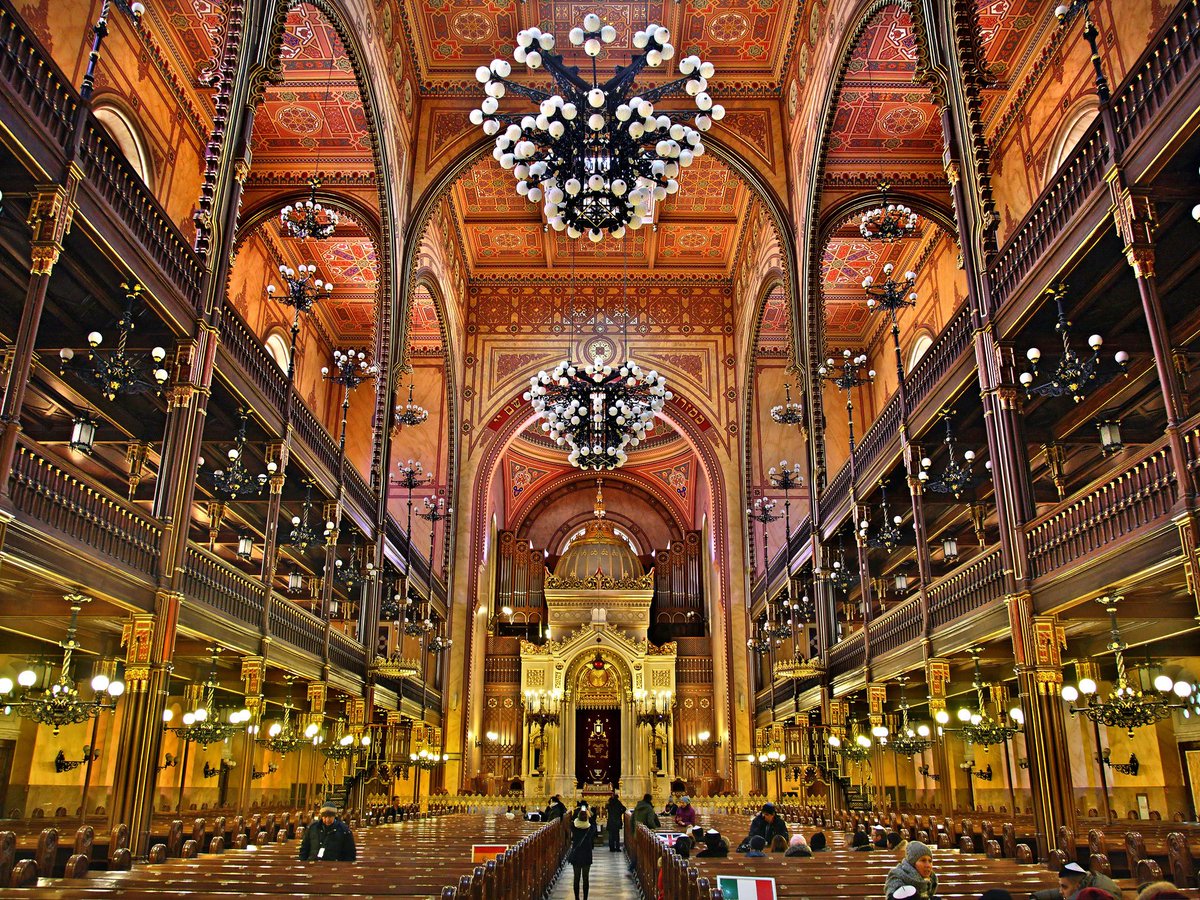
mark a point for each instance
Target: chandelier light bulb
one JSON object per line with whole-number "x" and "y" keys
{"x": 1070, "y": 693}
{"x": 27, "y": 678}
{"x": 1087, "y": 686}
{"x": 100, "y": 683}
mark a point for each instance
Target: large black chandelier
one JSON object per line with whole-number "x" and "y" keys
{"x": 976, "y": 726}
{"x": 596, "y": 155}
{"x": 957, "y": 477}
{"x": 597, "y": 409}
{"x": 309, "y": 218}
{"x": 120, "y": 370}
{"x": 1126, "y": 707}
{"x": 304, "y": 288}
{"x": 61, "y": 703}
{"x": 304, "y": 534}
{"x": 235, "y": 480}
{"x": 1075, "y": 374}
{"x": 357, "y": 570}
{"x": 842, "y": 576}
{"x": 282, "y": 737}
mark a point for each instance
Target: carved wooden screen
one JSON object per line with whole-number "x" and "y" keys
{"x": 678, "y": 607}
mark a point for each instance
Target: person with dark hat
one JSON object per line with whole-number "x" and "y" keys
{"x": 1073, "y": 879}
{"x": 913, "y": 877}
{"x": 768, "y": 823}
{"x": 328, "y": 839}
{"x": 715, "y": 845}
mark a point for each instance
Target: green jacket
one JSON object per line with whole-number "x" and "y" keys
{"x": 644, "y": 814}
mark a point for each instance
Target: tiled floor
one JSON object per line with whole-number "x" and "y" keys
{"x": 610, "y": 878}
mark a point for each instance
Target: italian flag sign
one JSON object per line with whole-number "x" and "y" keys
{"x": 737, "y": 887}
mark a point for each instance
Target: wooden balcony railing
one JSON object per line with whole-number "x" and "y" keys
{"x": 253, "y": 359}
{"x": 847, "y": 655}
{"x": 896, "y": 627}
{"x": 110, "y": 173}
{"x": 346, "y": 653}
{"x": 81, "y": 509}
{"x": 950, "y": 345}
{"x": 298, "y": 627}
{"x": 35, "y": 80}
{"x": 1102, "y": 514}
{"x": 1163, "y": 68}
{"x": 969, "y": 587}
{"x": 210, "y": 580}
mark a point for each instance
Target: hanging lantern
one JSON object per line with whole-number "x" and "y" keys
{"x": 245, "y": 546}
{"x": 1110, "y": 436}
{"x": 295, "y": 582}
{"x": 83, "y": 434}
{"x": 949, "y": 549}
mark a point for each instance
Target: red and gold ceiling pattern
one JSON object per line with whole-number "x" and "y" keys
{"x": 748, "y": 40}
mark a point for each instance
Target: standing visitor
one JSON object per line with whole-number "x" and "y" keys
{"x": 583, "y": 838}
{"x": 616, "y": 822}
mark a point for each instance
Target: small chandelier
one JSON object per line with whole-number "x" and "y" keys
{"x": 597, "y": 410}
{"x": 61, "y": 703}
{"x": 597, "y": 156}
{"x": 889, "y": 536}
{"x": 889, "y": 222}
{"x": 282, "y": 737}
{"x": 304, "y": 534}
{"x": 304, "y": 288}
{"x": 308, "y": 218}
{"x": 440, "y": 642}
{"x": 1126, "y": 707}
{"x": 957, "y": 477}
{"x": 1074, "y": 375}
{"x": 357, "y": 571}
{"x": 410, "y": 414}
{"x": 977, "y": 726}
{"x": 770, "y": 761}
{"x": 121, "y": 371}
{"x": 343, "y": 745}
{"x": 417, "y": 620}
{"x": 762, "y": 638}
{"x": 427, "y": 760}
{"x": 909, "y": 741}
{"x": 350, "y": 368}
{"x": 856, "y": 748}
{"x": 891, "y": 296}
{"x": 790, "y": 412}
{"x": 205, "y": 724}
{"x": 840, "y": 574}
{"x": 235, "y": 480}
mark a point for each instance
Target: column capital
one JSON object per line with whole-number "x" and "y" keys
{"x": 51, "y": 212}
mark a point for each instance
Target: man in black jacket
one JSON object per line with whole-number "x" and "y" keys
{"x": 328, "y": 839}
{"x": 556, "y": 809}
{"x": 616, "y": 822}
{"x": 769, "y": 823}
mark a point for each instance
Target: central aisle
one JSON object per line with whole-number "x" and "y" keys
{"x": 610, "y": 879}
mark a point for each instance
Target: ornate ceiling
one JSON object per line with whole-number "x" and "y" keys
{"x": 697, "y": 230}
{"x": 748, "y": 40}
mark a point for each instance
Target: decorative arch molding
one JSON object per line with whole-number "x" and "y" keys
{"x": 837, "y": 216}
{"x": 111, "y": 110}
{"x": 349, "y": 206}
{"x": 813, "y": 320}
{"x": 1074, "y": 125}
{"x": 569, "y": 483}
{"x": 390, "y": 209}
{"x": 623, "y": 526}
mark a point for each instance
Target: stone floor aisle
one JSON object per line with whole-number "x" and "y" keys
{"x": 610, "y": 878}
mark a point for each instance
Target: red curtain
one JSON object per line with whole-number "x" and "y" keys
{"x": 597, "y": 746}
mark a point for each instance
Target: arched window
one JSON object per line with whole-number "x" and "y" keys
{"x": 1073, "y": 126}
{"x": 277, "y": 346}
{"x": 918, "y": 349}
{"x": 122, "y": 129}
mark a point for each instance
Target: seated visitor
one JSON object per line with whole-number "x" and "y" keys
{"x": 860, "y": 841}
{"x": 897, "y": 844}
{"x": 1073, "y": 879}
{"x": 818, "y": 842}
{"x": 685, "y": 813}
{"x": 768, "y": 824}
{"x": 328, "y": 839}
{"x": 715, "y": 845}
{"x": 914, "y": 871}
{"x": 797, "y": 846}
{"x": 756, "y": 846}
{"x": 778, "y": 843}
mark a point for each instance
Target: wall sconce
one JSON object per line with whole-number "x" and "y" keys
{"x": 83, "y": 434}
{"x": 1129, "y": 768}
{"x": 705, "y": 737}
{"x": 245, "y": 546}
{"x": 1110, "y": 436}
{"x": 62, "y": 764}
{"x": 949, "y": 549}
{"x": 169, "y": 763}
{"x": 932, "y": 776}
